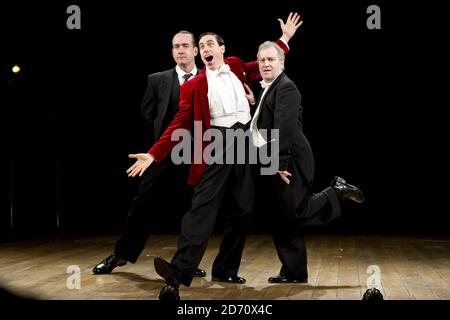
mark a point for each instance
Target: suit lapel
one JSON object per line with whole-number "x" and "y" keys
{"x": 271, "y": 88}
{"x": 165, "y": 88}
{"x": 203, "y": 96}
{"x": 268, "y": 98}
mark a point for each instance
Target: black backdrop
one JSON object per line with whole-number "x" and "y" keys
{"x": 373, "y": 103}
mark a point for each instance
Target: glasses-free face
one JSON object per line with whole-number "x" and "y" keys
{"x": 183, "y": 50}
{"x": 211, "y": 52}
{"x": 270, "y": 65}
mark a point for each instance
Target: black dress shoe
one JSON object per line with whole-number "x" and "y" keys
{"x": 167, "y": 272}
{"x": 346, "y": 190}
{"x": 199, "y": 273}
{"x": 373, "y": 294}
{"x": 169, "y": 293}
{"x": 108, "y": 265}
{"x": 230, "y": 279}
{"x": 283, "y": 279}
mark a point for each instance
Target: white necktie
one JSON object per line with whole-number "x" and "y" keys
{"x": 258, "y": 139}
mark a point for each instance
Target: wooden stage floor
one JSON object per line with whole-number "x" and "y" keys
{"x": 409, "y": 268}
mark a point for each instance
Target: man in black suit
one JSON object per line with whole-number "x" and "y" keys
{"x": 159, "y": 106}
{"x": 278, "y": 107}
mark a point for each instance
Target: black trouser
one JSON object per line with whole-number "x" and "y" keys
{"x": 293, "y": 206}
{"x": 160, "y": 184}
{"x": 234, "y": 184}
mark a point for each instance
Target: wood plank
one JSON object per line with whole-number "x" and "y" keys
{"x": 411, "y": 268}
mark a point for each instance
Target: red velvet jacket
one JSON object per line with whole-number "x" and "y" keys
{"x": 194, "y": 106}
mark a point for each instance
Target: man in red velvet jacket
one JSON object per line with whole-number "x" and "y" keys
{"x": 216, "y": 98}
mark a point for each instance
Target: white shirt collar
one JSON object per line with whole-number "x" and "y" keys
{"x": 265, "y": 84}
{"x": 181, "y": 73}
{"x": 224, "y": 69}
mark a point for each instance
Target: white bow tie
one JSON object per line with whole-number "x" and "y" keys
{"x": 264, "y": 84}
{"x": 224, "y": 70}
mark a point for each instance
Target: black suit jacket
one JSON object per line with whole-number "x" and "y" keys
{"x": 163, "y": 91}
{"x": 281, "y": 109}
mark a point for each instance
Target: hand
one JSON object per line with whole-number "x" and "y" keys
{"x": 290, "y": 27}
{"x": 284, "y": 175}
{"x": 143, "y": 161}
{"x": 249, "y": 94}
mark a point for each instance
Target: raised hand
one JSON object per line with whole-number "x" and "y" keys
{"x": 143, "y": 161}
{"x": 289, "y": 28}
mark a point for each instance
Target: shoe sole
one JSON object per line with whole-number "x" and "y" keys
{"x": 358, "y": 200}
{"x": 341, "y": 180}
{"x": 162, "y": 268}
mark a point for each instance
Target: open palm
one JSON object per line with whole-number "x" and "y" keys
{"x": 143, "y": 161}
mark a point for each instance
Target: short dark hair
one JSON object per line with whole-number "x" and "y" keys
{"x": 218, "y": 38}
{"x": 194, "y": 43}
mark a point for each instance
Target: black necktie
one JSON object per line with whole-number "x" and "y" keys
{"x": 186, "y": 77}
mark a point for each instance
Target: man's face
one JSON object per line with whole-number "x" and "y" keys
{"x": 270, "y": 65}
{"x": 183, "y": 49}
{"x": 211, "y": 52}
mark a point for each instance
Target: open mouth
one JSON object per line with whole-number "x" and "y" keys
{"x": 208, "y": 58}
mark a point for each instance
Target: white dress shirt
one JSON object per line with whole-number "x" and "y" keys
{"x": 226, "y": 96}
{"x": 257, "y": 137}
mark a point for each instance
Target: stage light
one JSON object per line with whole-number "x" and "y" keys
{"x": 15, "y": 69}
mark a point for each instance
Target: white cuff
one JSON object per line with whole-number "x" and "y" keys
{"x": 285, "y": 42}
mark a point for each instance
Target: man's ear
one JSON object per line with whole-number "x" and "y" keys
{"x": 223, "y": 48}
{"x": 195, "y": 51}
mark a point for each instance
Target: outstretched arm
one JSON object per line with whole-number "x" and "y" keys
{"x": 165, "y": 144}
{"x": 143, "y": 161}
{"x": 289, "y": 28}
